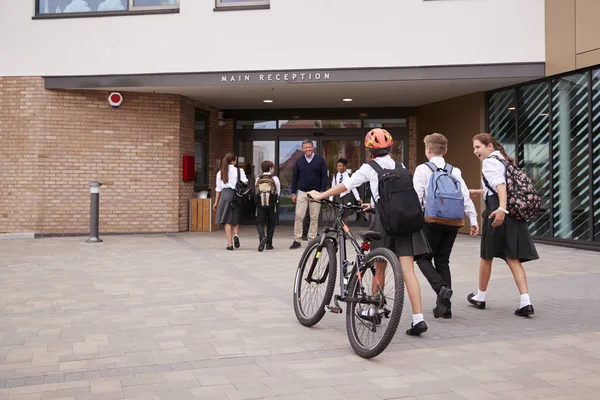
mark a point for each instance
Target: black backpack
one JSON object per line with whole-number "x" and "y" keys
{"x": 398, "y": 204}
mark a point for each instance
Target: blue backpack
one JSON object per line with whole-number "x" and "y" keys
{"x": 445, "y": 203}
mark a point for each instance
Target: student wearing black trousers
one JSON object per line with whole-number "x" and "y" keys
{"x": 267, "y": 215}
{"x": 441, "y": 236}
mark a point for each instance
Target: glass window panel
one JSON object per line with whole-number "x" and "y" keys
{"x": 386, "y": 123}
{"x": 534, "y": 147}
{"x": 200, "y": 126}
{"x": 501, "y": 119}
{"x": 596, "y": 150}
{"x": 570, "y": 172}
{"x": 256, "y": 125}
{"x": 225, "y": 3}
{"x": 81, "y": 6}
{"x": 201, "y": 176}
{"x": 155, "y": 3}
{"x": 319, "y": 124}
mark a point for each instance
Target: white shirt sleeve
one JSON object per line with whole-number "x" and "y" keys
{"x": 469, "y": 206}
{"x": 219, "y": 187}
{"x": 277, "y": 185}
{"x": 493, "y": 170}
{"x": 243, "y": 176}
{"x": 358, "y": 178}
{"x": 332, "y": 184}
{"x": 420, "y": 181}
{"x": 356, "y": 195}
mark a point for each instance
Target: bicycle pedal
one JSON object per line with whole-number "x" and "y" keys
{"x": 333, "y": 309}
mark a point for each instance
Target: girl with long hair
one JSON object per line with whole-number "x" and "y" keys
{"x": 228, "y": 213}
{"x": 502, "y": 235}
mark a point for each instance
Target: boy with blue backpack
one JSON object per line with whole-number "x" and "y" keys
{"x": 445, "y": 199}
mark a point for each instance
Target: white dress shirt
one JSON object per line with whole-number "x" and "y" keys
{"x": 421, "y": 180}
{"x": 367, "y": 174}
{"x": 275, "y": 179}
{"x": 233, "y": 177}
{"x": 493, "y": 170}
{"x": 345, "y": 176}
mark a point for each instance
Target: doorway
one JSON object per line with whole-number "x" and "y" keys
{"x": 285, "y": 147}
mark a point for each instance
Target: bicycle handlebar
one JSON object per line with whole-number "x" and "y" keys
{"x": 340, "y": 205}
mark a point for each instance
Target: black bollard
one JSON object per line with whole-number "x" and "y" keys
{"x": 94, "y": 212}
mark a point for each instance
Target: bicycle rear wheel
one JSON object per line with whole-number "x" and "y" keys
{"x": 315, "y": 281}
{"x": 373, "y": 318}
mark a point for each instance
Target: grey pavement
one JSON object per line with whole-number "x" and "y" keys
{"x": 178, "y": 317}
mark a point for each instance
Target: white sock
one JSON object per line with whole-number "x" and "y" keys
{"x": 480, "y": 296}
{"x": 417, "y": 318}
{"x": 525, "y": 301}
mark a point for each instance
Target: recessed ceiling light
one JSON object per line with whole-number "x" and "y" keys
{"x": 346, "y": 99}
{"x": 363, "y": 115}
{"x": 512, "y": 108}
{"x": 267, "y": 101}
{"x": 296, "y": 116}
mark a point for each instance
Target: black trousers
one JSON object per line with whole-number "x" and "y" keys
{"x": 265, "y": 216}
{"x": 441, "y": 239}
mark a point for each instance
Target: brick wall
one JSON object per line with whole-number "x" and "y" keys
{"x": 54, "y": 142}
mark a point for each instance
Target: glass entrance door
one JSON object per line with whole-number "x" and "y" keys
{"x": 289, "y": 152}
{"x": 251, "y": 154}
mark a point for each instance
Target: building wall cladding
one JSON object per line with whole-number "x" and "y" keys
{"x": 572, "y": 35}
{"x": 55, "y": 142}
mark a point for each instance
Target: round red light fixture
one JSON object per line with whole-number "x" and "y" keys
{"x": 115, "y": 99}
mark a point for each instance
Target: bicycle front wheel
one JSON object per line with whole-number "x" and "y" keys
{"x": 377, "y": 298}
{"x": 315, "y": 281}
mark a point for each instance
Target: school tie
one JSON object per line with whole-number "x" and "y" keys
{"x": 341, "y": 178}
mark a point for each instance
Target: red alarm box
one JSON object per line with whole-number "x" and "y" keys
{"x": 188, "y": 168}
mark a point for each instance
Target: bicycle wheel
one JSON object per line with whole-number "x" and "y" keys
{"x": 372, "y": 320}
{"x": 315, "y": 281}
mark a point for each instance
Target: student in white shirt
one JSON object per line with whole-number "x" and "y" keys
{"x": 406, "y": 247}
{"x": 267, "y": 215}
{"x": 345, "y": 197}
{"x": 502, "y": 236}
{"x": 228, "y": 212}
{"x": 441, "y": 237}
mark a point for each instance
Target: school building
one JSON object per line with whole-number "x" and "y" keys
{"x": 130, "y": 93}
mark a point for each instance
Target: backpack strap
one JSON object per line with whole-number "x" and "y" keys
{"x": 488, "y": 185}
{"x": 239, "y": 179}
{"x": 376, "y": 167}
{"x": 431, "y": 166}
{"x": 448, "y": 168}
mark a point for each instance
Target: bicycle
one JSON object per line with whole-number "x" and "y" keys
{"x": 365, "y": 313}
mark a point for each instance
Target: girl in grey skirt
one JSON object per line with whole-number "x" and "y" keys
{"x": 502, "y": 236}
{"x": 228, "y": 212}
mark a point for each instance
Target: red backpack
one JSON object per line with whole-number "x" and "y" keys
{"x": 523, "y": 201}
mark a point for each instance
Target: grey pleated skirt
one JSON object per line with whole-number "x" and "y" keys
{"x": 512, "y": 239}
{"x": 227, "y": 211}
{"x": 414, "y": 244}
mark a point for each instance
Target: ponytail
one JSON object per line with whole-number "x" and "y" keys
{"x": 228, "y": 159}
{"x": 486, "y": 139}
{"x": 498, "y": 146}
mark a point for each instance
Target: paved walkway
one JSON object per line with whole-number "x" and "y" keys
{"x": 177, "y": 317}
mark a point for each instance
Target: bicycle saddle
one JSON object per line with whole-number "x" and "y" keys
{"x": 368, "y": 236}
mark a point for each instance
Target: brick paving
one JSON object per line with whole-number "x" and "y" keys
{"x": 178, "y": 317}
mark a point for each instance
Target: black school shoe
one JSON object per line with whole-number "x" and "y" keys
{"x": 295, "y": 245}
{"x": 448, "y": 313}
{"x": 476, "y": 303}
{"x": 418, "y": 329}
{"x": 262, "y": 244}
{"x": 229, "y": 247}
{"x": 525, "y": 311}
{"x": 236, "y": 241}
{"x": 269, "y": 246}
{"x": 442, "y": 302}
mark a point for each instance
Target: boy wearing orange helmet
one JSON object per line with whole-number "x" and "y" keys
{"x": 406, "y": 247}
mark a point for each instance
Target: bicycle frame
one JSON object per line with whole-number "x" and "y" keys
{"x": 342, "y": 234}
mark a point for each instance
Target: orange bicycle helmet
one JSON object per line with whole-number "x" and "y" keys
{"x": 378, "y": 141}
